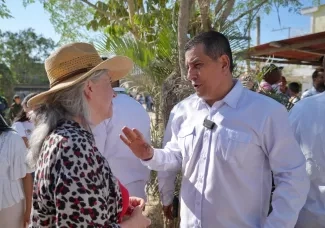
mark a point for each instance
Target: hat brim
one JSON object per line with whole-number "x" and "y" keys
{"x": 118, "y": 67}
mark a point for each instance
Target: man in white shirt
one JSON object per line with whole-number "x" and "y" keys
{"x": 125, "y": 166}
{"x": 318, "y": 84}
{"x": 227, "y": 140}
{"x": 308, "y": 122}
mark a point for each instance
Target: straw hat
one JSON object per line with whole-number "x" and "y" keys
{"x": 75, "y": 62}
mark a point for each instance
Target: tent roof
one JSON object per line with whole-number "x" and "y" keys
{"x": 302, "y": 50}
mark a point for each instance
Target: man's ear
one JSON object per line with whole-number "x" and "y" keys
{"x": 225, "y": 61}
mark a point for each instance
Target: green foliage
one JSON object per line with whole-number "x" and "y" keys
{"x": 155, "y": 61}
{"x": 6, "y": 81}
{"x": 4, "y": 11}
{"x": 69, "y": 18}
{"x": 24, "y": 53}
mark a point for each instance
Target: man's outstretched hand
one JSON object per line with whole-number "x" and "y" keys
{"x": 136, "y": 142}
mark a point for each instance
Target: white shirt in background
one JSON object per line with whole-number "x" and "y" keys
{"x": 24, "y": 129}
{"x": 227, "y": 170}
{"x": 310, "y": 92}
{"x": 13, "y": 168}
{"x": 123, "y": 163}
{"x": 307, "y": 118}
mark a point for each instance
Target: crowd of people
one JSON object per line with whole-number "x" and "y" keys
{"x": 273, "y": 82}
{"x": 79, "y": 154}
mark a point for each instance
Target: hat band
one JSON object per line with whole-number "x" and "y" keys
{"x": 70, "y": 75}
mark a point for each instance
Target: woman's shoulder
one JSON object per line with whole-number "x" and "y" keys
{"x": 69, "y": 137}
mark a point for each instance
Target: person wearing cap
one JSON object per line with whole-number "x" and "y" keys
{"x": 74, "y": 185}
{"x": 271, "y": 75}
{"x": 227, "y": 140}
{"x": 15, "y": 108}
{"x": 126, "y": 112}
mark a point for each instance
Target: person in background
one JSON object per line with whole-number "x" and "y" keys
{"x": 308, "y": 123}
{"x": 149, "y": 103}
{"x": 126, "y": 112}
{"x": 15, "y": 180}
{"x": 283, "y": 88}
{"x": 15, "y": 108}
{"x": 294, "y": 91}
{"x": 22, "y": 123}
{"x": 74, "y": 185}
{"x": 318, "y": 84}
{"x": 271, "y": 75}
{"x": 3, "y": 106}
{"x": 249, "y": 82}
{"x": 227, "y": 140}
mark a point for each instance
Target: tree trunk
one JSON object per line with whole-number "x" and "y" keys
{"x": 131, "y": 8}
{"x": 204, "y": 6}
{"x": 226, "y": 12}
{"x": 183, "y": 20}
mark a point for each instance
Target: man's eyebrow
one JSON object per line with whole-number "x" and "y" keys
{"x": 194, "y": 60}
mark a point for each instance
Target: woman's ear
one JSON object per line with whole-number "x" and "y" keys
{"x": 88, "y": 89}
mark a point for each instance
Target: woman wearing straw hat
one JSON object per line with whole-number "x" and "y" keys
{"x": 74, "y": 186}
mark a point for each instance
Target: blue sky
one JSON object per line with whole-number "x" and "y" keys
{"x": 36, "y": 17}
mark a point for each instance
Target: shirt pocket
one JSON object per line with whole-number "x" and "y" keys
{"x": 186, "y": 138}
{"x": 233, "y": 146}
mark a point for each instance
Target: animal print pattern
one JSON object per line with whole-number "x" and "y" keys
{"x": 74, "y": 186}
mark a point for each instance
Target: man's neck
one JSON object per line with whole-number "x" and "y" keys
{"x": 225, "y": 89}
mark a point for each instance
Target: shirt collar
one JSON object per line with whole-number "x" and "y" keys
{"x": 119, "y": 89}
{"x": 232, "y": 98}
{"x": 234, "y": 95}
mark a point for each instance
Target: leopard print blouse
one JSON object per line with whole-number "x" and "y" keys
{"x": 74, "y": 186}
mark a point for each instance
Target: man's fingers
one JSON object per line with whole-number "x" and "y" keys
{"x": 137, "y": 133}
{"x": 125, "y": 140}
{"x": 131, "y": 136}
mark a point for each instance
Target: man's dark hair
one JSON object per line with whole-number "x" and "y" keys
{"x": 215, "y": 45}
{"x": 315, "y": 73}
{"x": 294, "y": 87}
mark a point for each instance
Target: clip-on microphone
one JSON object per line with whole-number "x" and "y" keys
{"x": 208, "y": 124}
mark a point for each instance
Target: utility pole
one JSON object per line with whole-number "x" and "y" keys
{"x": 248, "y": 62}
{"x": 258, "y": 38}
{"x": 289, "y": 30}
{"x": 258, "y": 30}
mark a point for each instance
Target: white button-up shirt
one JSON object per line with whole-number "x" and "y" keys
{"x": 307, "y": 118}
{"x": 311, "y": 92}
{"x": 123, "y": 163}
{"x": 227, "y": 170}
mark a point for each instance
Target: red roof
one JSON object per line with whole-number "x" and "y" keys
{"x": 306, "y": 50}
